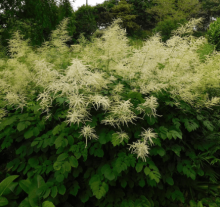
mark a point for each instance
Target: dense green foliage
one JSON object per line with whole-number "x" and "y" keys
{"x": 55, "y": 160}
{"x": 213, "y": 34}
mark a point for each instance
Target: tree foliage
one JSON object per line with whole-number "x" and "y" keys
{"x": 85, "y": 21}
{"x": 35, "y": 19}
{"x": 123, "y": 10}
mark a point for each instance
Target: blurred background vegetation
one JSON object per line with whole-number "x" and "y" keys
{"x": 141, "y": 18}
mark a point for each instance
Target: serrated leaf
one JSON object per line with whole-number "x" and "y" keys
{"x": 208, "y": 125}
{"x": 120, "y": 164}
{"x": 155, "y": 175}
{"x": 139, "y": 166}
{"x": 66, "y": 166}
{"x": 62, "y": 190}
{"x": 200, "y": 117}
{"x": 170, "y": 181}
{"x": 54, "y": 191}
{"x": 147, "y": 170}
{"x": 73, "y": 161}
{"x": 176, "y": 134}
{"x": 47, "y": 204}
{"x": 58, "y": 142}
{"x": 3, "y": 201}
{"x": 56, "y": 130}
{"x": 62, "y": 157}
{"x": 190, "y": 124}
{"x": 178, "y": 195}
{"x": 176, "y": 148}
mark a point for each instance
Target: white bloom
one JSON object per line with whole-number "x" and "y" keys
{"x": 140, "y": 148}
{"x": 87, "y": 132}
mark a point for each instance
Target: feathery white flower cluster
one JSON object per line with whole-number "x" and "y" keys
{"x": 182, "y": 75}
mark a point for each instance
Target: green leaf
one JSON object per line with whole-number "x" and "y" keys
{"x": 54, "y": 191}
{"x": 192, "y": 203}
{"x": 120, "y": 165}
{"x": 139, "y": 166}
{"x": 200, "y": 117}
{"x": 70, "y": 140}
{"x": 3, "y": 201}
{"x": 178, "y": 195}
{"x": 21, "y": 126}
{"x": 58, "y": 142}
{"x": 187, "y": 170}
{"x": 103, "y": 138}
{"x": 62, "y": 157}
{"x": 141, "y": 182}
{"x": 33, "y": 162}
{"x": 147, "y": 170}
{"x": 200, "y": 172}
{"x": 176, "y": 148}
{"x": 36, "y": 131}
{"x": 170, "y": 181}
{"x": 57, "y": 165}
{"x": 74, "y": 189}
{"x": 155, "y": 175}
{"x": 99, "y": 153}
{"x": 77, "y": 155}
{"x": 190, "y": 124}
{"x": 34, "y": 143}
{"x": 47, "y": 204}
{"x": 62, "y": 190}
{"x": 25, "y": 185}
{"x": 67, "y": 166}
{"x": 47, "y": 193}
{"x": 108, "y": 173}
{"x": 84, "y": 196}
{"x": 208, "y": 125}
{"x": 57, "y": 129}
{"x": 176, "y": 134}
{"x": 21, "y": 167}
{"x": 60, "y": 178}
{"x": 60, "y": 100}
{"x": 6, "y": 182}
{"x": 73, "y": 161}
{"x": 123, "y": 183}
{"x": 28, "y": 134}
{"x": 161, "y": 151}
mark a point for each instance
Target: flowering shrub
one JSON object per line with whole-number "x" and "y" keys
{"x": 117, "y": 84}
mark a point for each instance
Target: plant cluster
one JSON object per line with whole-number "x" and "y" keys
{"x": 75, "y": 151}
